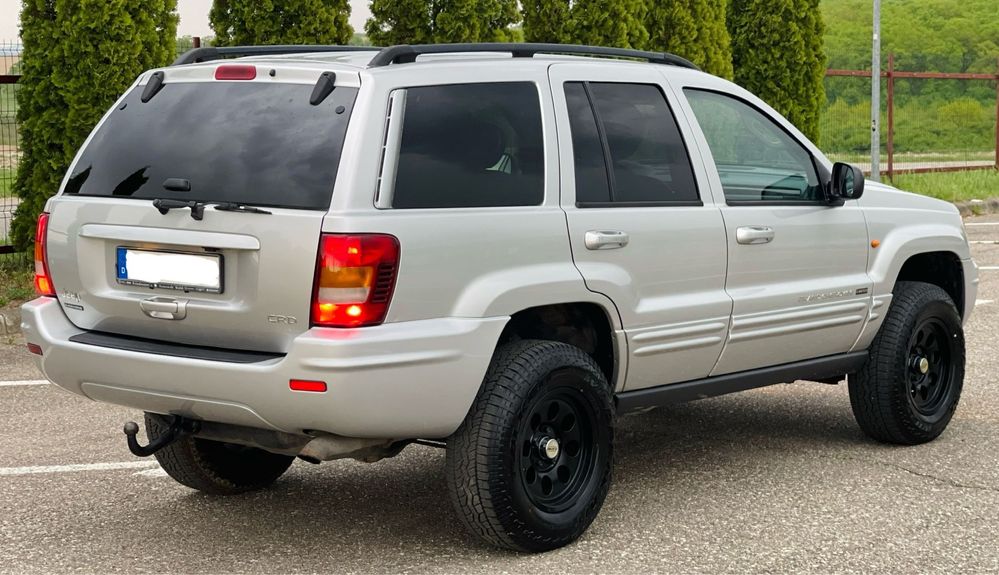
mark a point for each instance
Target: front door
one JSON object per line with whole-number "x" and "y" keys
{"x": 797, "y": 266}
{"x": 643, "y": 227}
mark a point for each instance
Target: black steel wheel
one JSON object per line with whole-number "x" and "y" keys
{"x": 909, "y": 388}
{"x": 531, "y": 464}
{"x": 931, "y": 369}
{"x": 557, "y": 440}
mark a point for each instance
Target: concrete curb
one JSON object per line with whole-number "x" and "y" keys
{"x": 10, "y": 321}
{"x": 978, "y": 207}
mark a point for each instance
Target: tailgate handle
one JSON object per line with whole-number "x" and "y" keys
{"x": 164, "y": 308}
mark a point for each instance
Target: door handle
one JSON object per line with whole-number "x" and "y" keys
{"x": 605, "y": 240}
{"x": 164, "y": 308}
{"x": 753, "y": 235}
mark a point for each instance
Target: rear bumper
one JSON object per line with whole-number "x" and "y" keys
{"x": 399, "y": 380}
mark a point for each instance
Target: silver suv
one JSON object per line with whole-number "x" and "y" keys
{"x": 328, "y": 252}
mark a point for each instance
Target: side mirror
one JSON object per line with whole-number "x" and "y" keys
{"x": 847, "y": 183}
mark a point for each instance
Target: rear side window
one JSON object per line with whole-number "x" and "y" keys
{"x": 628, "y": 132}
{"x": 471, "y": 145}
{"x": 243, "y": 142}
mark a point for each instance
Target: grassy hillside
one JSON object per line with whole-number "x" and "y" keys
{"x": 927, "y": 36}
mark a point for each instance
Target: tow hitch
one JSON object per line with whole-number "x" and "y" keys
{"x": 179, "y": 427}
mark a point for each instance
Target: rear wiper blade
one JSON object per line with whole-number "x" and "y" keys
{"x": 198, "y": 208}
{"x": 234, "y": 207}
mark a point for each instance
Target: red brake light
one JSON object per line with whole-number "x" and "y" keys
{"x": 43, "y": 281}
{"x": 235, "y": 72}
{"x": 355, "y": 276}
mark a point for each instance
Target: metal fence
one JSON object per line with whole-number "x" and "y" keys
{"x": 930, "y": 121}
{"x": 10, "y": 58}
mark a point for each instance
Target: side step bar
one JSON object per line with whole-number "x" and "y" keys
{"x": 823, "y": 368}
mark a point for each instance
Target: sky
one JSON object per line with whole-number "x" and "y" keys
{"x": 193, "y": 17}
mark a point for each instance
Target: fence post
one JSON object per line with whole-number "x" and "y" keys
{"x": 891, "y": 118}
{"x": 197, "y": 41}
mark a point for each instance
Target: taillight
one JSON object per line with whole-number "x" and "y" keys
{"x": 355, "y": 277}
{"x": 43, "y": 281}
{"x": 235, "y": 72}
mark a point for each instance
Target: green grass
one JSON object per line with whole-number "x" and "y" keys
{"x": 16, "y": 280}
{"x": 952, "y": 186}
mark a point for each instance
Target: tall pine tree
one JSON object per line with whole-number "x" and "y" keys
{"x": 261, "y": 22}
{"x": 79, "y": 56}
{"x": 546, "y": 21}
{"x": 777, "y": 54}
{"x": 441, "y": 21}
{"x": 616, "y": 23}
{"x": 694, "y": 29}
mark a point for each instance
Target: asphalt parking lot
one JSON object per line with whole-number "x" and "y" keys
{"x": 778, "y": 479}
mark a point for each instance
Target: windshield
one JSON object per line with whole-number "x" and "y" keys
{"x": 244, "y": 142}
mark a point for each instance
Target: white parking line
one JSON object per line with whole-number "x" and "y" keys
{"x": 23, "y": 383}
{"x": 989, "y": 242}
{"x": 988, "y": 268}
{"x": 982, "y": 224}
{"x": 78, "y": 467}
{"x": 984, "y": 301}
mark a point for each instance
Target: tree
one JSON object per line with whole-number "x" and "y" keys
{"x": 546, "y": 21}
{"x": 777, "y": 54}
{"x": 78, "y": 57}
{"x": 616, "y": 23}
{"x": 261, "y": 22}
{"x": 694, "y": 29}
{"x": 440, "y": 21}
{"x": 399, "y": 22}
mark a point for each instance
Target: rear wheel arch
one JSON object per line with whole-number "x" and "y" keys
{"x": 942, "y": 269}
{"x": 586, "y": 325}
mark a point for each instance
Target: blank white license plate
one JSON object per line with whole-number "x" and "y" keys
{"x": 170, "y": 270}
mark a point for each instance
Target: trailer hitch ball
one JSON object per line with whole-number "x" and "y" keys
{"x": 179, "y": 427}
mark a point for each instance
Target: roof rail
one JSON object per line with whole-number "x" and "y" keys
{"x": 406, "y": 53}
{"x": 209, "y": 53}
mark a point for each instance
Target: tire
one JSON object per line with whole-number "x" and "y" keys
{"x": 214, "y": 467}
{"x": 897, "y": 397}
{"x": 508, "y": 483}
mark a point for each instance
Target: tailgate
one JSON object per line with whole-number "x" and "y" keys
{"x": 231, "y": 279}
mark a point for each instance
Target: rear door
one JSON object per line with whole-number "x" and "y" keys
{"x": 642, "y": 226}
{"x": 233, "y": 279}
{"x": 797, "y": 267}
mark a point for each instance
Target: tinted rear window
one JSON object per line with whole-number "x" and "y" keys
{"x": 245, "y": 142}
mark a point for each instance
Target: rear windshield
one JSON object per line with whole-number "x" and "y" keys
{"x": 244, "y": 142}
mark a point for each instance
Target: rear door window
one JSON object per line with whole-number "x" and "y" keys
{"x": 627, "y": 146}
{"x": 243, "y": 142}
{"x": 471, "y": 145}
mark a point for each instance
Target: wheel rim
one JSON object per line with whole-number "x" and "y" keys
{"x": 556, "y": 446}
{"x": 929, "y": 368}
